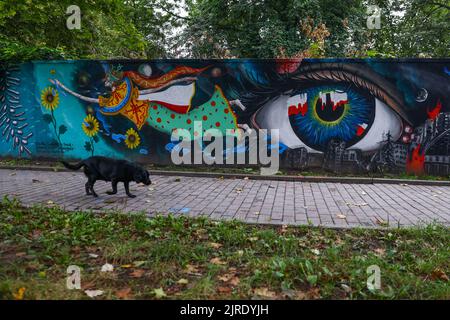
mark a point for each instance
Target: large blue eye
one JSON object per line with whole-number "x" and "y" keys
{"x": 313, "y": 116}
{"x": 320, "y": 114}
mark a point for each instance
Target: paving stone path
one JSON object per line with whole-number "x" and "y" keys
{"x": 253, "y": 201}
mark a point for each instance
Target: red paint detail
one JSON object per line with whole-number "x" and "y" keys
{"x": 435, "y": 111}
{"x": 188, "y": 121}
{"x": 205, "y": 118}
{"x": 301, "y": 108}
{"x": 415, "y": 163}
{"x": 217, "y": 124}
{"x": 213, "y": 103}
{"x": 359, "y": 130}
{"x": 173, "y": 107}
{"x": 158, "y": 120}
{"x": 155, "y": 107}
{"x": 226, "y": 110}
{"x": 284, "y": 66}
{"x": 172, "y": 116}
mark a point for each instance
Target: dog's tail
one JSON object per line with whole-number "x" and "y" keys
{"x": 73, "y": 166}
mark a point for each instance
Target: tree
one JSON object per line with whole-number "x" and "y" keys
{"x": 411, "y": 28}
{"x": 271, "y": 28}
{"x": 37, "y": 30}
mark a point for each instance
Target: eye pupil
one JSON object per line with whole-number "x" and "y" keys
{"x": 329, "y": 110}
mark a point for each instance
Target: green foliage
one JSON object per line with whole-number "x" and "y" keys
{"x": 33, "y": 30}
{"x": 37, "y": 30}
{"x": 225, "y": 259}
{"x": 316, "y": 28}
{"x": 271, "y": 28}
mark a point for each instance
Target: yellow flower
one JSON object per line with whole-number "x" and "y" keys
{"x": 90, "y": 126}
{"x": 133, "y": 139}
{"x": 19, "y": 294}
{"x": 50, "y": 98}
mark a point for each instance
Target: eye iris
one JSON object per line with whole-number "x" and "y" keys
{"x": 329, "y": 111}
{"x": 334, "y": 112}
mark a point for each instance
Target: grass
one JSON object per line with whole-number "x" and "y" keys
{"x": 184, "y": 258}
{"x": 318, "y": 172}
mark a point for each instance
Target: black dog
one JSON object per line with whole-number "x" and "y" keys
{"x": 107, "y": 169}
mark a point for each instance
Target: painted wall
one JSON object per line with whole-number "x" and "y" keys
{"x": 368, "y": 115}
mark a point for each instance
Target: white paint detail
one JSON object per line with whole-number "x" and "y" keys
{"x": 274, "y": 115}
{"x": 177, "y": 95}
{"x": 335, "y": 96}
{"x": 386, "y": 120}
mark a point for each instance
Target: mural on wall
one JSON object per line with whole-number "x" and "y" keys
{"x": 373, "y": 115}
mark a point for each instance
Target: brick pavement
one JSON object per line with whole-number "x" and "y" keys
{"x": 255, "y": 201}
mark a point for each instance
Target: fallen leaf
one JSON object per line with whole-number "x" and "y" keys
{"x": 191, "y": 269}
{"x": 183, "y": 281}
{"x": 126, "y": 266}
{"x": 252, "y": 239}
{"x": 235, "y": 281}
{"x": 226, "y": 277}
{"x": 138, "y": 263}
{"x": 439, "y": 274}
{"x": 264, "y": 292}
{"x": 217, "y": 261}
{"x": 123, "y": 293}
{"x": 35, "y": 180}
{"x": 346, "y": 288}
{"x": 159, "y": 293}
{"x": 94, "y": 293}
{"x": 225, "y": 290}
{"x": 294, "y": 294}
{"x": 380, "y": 251}
{"x": 12, "y": 174}
{"x": 107, "y": 267}
{"x": 215, "y": 245}
{"x": 93, "y": 255}
{"x": 19, "y": 294}
{"x": 87, "y": 285}
{"x": 240, "y": 253}
{"x": 50, "y": 202}
{"x": 245, "y": 178}
{"x": 341, "y": 216}
{"x": 257, "y": 213}
{"x": 20, "y": 254}
{"x": 313, "y": 293}
{"x": 137, "y": 273}
{"x": 315, "y": 251}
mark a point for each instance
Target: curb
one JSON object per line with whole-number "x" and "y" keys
{"x": 358, "y": 180}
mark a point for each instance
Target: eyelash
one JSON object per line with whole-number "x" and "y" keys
{"x": 360, "y": 77}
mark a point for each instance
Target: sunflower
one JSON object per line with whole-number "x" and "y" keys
{"x": 90, "y": 126}
{"x": 133, "y": 139}
{"x": 50, "y": 98}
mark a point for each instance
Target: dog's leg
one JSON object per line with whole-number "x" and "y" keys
{"x": 114, "y": 187}
{"x": 127, "y": 189}
{"x": 92, "y": 188}
{"x": 88, "y": 188}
